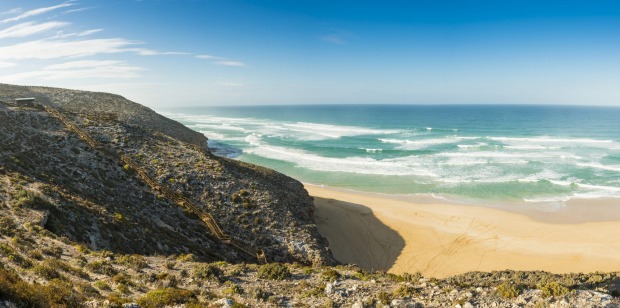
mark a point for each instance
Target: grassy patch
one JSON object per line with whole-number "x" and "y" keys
{"x": 274, "y": 271}
{"x": 166, "y": 297}
{"x": 209, "y": 272}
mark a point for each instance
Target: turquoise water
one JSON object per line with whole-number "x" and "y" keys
{"x": 537, "y": 154}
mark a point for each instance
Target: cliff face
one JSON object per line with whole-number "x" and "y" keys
{"x": 93, "y": 200}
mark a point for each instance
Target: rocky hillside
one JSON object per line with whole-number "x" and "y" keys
{"x": 79, "y": 228}
{"x": 91, "y": 198}
{"x": 95, "y": 103}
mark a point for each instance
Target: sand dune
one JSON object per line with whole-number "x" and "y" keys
{"x": 380, "y": 232}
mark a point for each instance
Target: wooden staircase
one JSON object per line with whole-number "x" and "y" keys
{"x": 178, "y": 198}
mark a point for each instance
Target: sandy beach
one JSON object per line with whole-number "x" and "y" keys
{"x": 440, "y": 239}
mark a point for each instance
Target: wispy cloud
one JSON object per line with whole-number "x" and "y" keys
{"x": 30, "y": 28}
{"x": 208, "y": 57}
{"x": 221, "y": 61}
{"x": 149, "y": 52}
{"x": 70, "y": 54}
{"x": 11, "y": 11}
{"x": 36, "y": 12}
{"x": 230, "y": 63}
{"x": 54, "y": 49}
{"x": 61, "y": 34}
{"x": 79, "y": 69}
{"x": 89, "y": 32}
{"x": 7, "y": 64}
{"x": 333, "y": 38}
{"x": 78, "y": 10}
{"x": 83, "y": 64}
{"x": 339, "y": 37}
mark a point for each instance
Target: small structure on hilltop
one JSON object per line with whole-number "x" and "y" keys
{"x": 24, "y": 102}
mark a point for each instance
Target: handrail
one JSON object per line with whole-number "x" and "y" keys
{"x": 177, "y": 197}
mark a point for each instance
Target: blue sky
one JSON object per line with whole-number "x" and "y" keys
{"x": 221, "y": 52}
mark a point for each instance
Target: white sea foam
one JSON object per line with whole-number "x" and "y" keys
{"x": 600, "y": 166}
{"x": 372, "y": 150}
{"x": 350, "y": 164}
{"x": 227, "y": 127}
{"x": 212, "y": 135}
{"x": 253, "y": 139}
{"x": 472, "y": 146}
{"x": 339, "y": 130}
{"x": 550, "y": 140}
{"x": 530, "y": 147}
{"x": 549, "y": 143}
{"x": 409, "y": 145}
{"x": 397, "y": 166}
{"x": 548, "y": 199}
{"x": 545, "y": 175}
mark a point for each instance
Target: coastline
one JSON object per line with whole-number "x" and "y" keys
{"x": 440, "y": 239}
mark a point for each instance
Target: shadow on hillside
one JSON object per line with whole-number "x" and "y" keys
{"x": 356, "y": 236}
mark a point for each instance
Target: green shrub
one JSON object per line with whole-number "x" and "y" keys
{"x": 102, "y": 285}
{"x": 65, "y": 267}
{"x": 25, "y": 198}
{"x": 364, "y": 275}
{"x": 209, "y": 272}
{"x": 508, "y": 290}
{"x": 404, "y": 290}
{"x": 330, "y": 275}
{"x": 101, "y": 267}
{"x": 137, "y": 262}
{"x": 53, "y": 251}
{"x": 55, "y": 294}
{"x": 318, "y": 291}
{"x": 45, "y": 271}
{"x": 122, "y": 278}
{"x": 169, "y": 265}
{"x": 384, "y": 297}
{"x": 7, "y": 226}
{"x": 274, "y": 271}
{"x": 35, "y": 254}
{"x": 186, "y": 258}
{"x": 234, "y": 289}
{"x": 553, "y": 289}
{"x": 260, "y": 294}
{"x": 166, "y": 297}
{"x": 82, "y": 248}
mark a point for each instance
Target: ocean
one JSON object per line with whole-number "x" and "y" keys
{"x": 485, "y": 154}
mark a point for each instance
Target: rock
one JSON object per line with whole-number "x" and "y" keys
{"x": 468, "y": 305}
{"x": 397, "y": 303}
{"x": 329, "y": 288}
{"x": 131, "y": 305}
{"x": 357, "y": 304}
{"x": 224, "y": 302}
